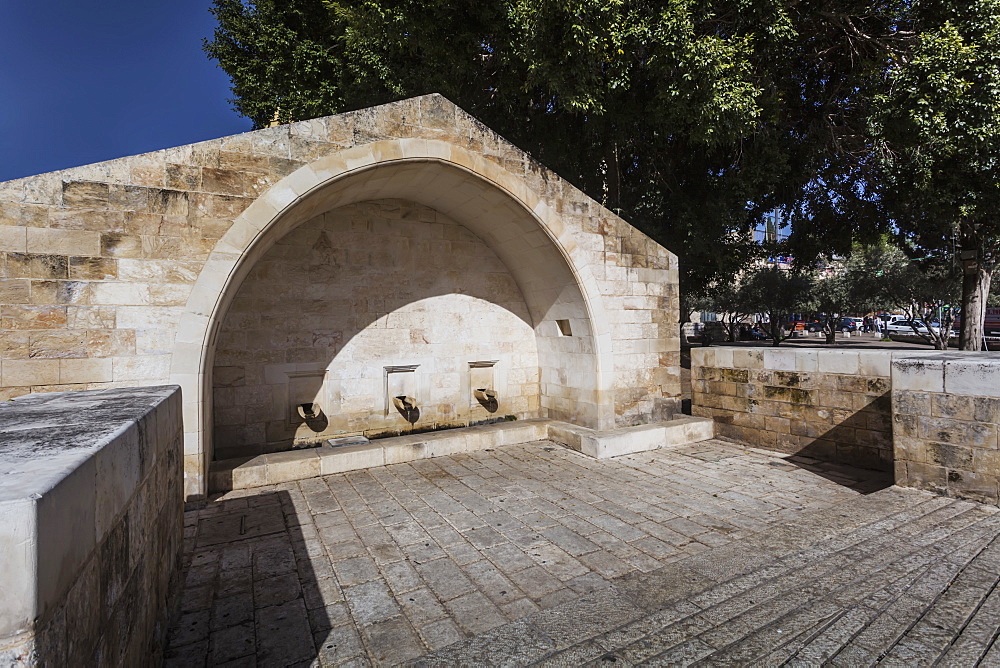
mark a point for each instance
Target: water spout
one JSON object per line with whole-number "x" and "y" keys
{"x": 487, "y": 398}
{"x": 308, "y": 411}
{"x": 407, "y": 407}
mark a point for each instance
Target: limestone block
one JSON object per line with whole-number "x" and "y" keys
{"x": 807, "y": 360}
{"x": 149, "y": 368}
{"x": 614, "y": 443}
{"x": 953, "y": 406}
{"x": 13, "y": 239}
{"x": 874, "y": 362}
{"x": 568, "y": 434}
{"x": 723, "y": 357}
{"x": 899, "y": 473}
{"x": 747, "y": 358}
{"x": 839, "y": 361}
{"x": 924, "y": 374}
{"x": 780, "y": 360}
{"x": 524, "y": 431}
{"x": 907, "y": 402}
{"x": 484, "y": 437}
{"x": 19, "y": 576}
{"x": 293, "y": 465}
{"x": 350, "y": 458}
{"x": 251, "y": 473}
{"x": 29, "y": 372}
{"x": 450, "y": 442}
{"x": 405, "y": 449}
{"x": 88, "y": 370}
{"x": 86, "y": 450}
{"x": 63, "y": 242}
{"x": 986, "y": 461}
{"x": 682, "y": 430}
{"x": 974, "y": 485}
{"x": 931, "y": 477}
{"x": 975, "y": 376}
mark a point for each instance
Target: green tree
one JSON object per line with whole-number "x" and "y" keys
{"x": 691, "y": 118}
{"x": 937, "y": 140}
{"x": 778, "y": 294}
{"x": 833, "y": 296}
{"x": 727, "y": 299}
{"x": 926, "y": 289}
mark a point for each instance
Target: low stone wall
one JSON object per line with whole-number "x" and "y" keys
{"x": 91, "y": 524}
{"x": 946, "y": 413}
{"x": 833, "y": 405}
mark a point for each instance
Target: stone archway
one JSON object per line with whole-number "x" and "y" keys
{"x": 119, "y": 272}
{"x": 525, "y": 229}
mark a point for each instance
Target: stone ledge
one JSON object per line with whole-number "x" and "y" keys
{"x": 270, "y": 469}
{"x": 280, "y": 467}
{"x": 681, "y": 430}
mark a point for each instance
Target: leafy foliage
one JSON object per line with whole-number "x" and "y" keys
{"x": 778, "y": 294}
{"x": 937, "y": 131}
{"x": 686, "y": 116}
{"x": 691, "y": 118}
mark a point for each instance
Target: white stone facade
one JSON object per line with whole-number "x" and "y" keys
{"x": 123, "y": 273}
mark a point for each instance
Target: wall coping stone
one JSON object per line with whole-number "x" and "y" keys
{"x": 71, "y": 462}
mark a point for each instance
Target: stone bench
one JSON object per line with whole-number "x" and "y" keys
{"x": 279, "y": 467}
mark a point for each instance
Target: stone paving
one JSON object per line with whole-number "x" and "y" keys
{"x": 537, "y": 554}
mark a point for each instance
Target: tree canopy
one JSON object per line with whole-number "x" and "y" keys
{"x": 691, "y": 118}
{"x": 936, "y": 129}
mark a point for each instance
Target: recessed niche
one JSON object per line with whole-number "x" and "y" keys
{"x": 400, "y": 381}
{"x": 481, "y": 376}
{"x": 564, "y": 328}
{"x": 305, "y": 387}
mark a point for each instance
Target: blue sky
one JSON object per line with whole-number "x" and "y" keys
{"x": 86, "y": 81}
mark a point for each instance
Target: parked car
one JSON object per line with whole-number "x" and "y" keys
{"x": 847, "y": 325}
{"x": 908, "y": 327}
{"x": 752, "y": 333}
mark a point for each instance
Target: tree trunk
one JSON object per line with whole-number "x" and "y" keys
{"x": 976, "y": 279}
{"x": 830, "y": 329}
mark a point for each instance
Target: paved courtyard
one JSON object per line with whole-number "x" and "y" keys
{"x": 535, "y": 554}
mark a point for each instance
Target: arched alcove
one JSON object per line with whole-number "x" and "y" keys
{"x": 360, "y": 304}
{"x": 518, "y": 225}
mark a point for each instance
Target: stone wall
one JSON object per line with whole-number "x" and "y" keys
{"x": 91, "y": 524}
{"x": 351, "y": 292}
{"x": 833, "y": 405}
{"x": 118, "y": 273}
{"x": 946, "y": 413}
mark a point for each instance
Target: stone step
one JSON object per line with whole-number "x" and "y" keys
{"x": 678, "y": 431}
{"x": 900, "y": 576}
{"x": 301, "y": 464}
{"x": 873, "y": 588}
{"x": 776, "y": 610}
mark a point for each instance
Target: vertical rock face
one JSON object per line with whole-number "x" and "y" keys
{"x": 120, "y": 273}
{"x": 91, "y": 523}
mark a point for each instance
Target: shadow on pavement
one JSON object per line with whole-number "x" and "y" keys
{"x": 250, "y": 591}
